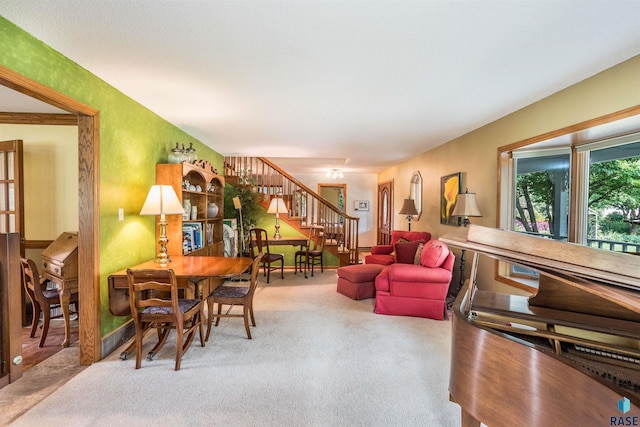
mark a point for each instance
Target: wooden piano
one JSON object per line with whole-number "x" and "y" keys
{"x": 568, "y": 355}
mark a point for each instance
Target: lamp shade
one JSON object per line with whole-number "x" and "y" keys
{"x": 162, "y": 199}
{"x": 236, "y": 203}
{"x": 408, "y": 207}
{"x": 466, "y": 205}
{"x": 277, "y": 205}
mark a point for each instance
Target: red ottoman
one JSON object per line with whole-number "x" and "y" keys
{"x": 358, "y": 281}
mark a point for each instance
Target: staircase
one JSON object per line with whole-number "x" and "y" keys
{"x": 306, "y": 207}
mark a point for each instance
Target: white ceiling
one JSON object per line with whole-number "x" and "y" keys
{"x": 361, "y": 85}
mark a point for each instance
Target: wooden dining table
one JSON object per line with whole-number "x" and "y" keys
{"x": 189, "y": 271}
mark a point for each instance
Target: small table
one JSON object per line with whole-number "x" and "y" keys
{"x": 289, "y": 241}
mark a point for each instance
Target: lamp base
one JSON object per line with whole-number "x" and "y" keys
{"x": 277, "y": 235}
{"x": 163, "y": 256}
{"x": 162, "y": 261}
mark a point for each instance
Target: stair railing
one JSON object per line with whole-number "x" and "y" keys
{"x": 304, "y": 204}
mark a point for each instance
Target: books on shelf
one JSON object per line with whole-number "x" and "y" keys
{"x": 192, "y": 237}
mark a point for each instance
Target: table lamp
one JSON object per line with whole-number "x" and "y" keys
{"x": 466, "y": 206}
{"x": 162, "y": 200}
{"x": 408, "y": 209}
{"x": 276, "y": 206}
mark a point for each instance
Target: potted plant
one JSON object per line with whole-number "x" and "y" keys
{"x": 246, "y": 190}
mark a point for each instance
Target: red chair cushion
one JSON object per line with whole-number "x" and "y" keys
{"x": 380, "y": 259}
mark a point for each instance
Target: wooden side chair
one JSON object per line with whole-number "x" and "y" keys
{"x": 259, "y": 243}
{"x": 42, "y": 299}
{"x": 153, "y": 297}
{"x": 235, "y": 295}
{"x": 311, "y": 255}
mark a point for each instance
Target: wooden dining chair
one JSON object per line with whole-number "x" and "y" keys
{"x": 42, "y": 299}
{"x": 259, "y": 243}
{"x": 154, "y": 301}
{"x": 311, "y": 254}
{"x": 232, "y": 296}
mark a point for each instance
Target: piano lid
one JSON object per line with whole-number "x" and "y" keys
{"x": 546, "y": 255}
{"x": 579, "y": 333}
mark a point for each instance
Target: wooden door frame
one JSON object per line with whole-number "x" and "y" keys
{"x": 391, "y": 216}
{"x": 88, "y": 120}
{"x": 334, "y": 185}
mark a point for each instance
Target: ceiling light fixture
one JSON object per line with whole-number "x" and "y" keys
{"x": 335, "y": 174}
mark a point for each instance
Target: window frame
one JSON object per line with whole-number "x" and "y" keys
{"x": 580, "y": 139}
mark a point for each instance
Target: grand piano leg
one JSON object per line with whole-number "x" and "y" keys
{"x": 468, "y": 420}
{"x": 65, "y": 295}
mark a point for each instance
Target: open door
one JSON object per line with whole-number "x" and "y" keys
{"x": 385, "y": 212}
{"x": 11, "y": 234}
{"x": 11, "y": 189}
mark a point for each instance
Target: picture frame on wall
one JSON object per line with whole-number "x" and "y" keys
{"x": 360, "y": 205}
{"x": 450, "y": 186}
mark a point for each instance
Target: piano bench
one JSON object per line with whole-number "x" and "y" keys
{"x": 358, "y": 281}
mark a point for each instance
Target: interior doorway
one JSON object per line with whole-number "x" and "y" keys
{"x": 87, "y": 120}
{"x": 336, "y": 194}
{"x": 385, "y": 213}
{"x": 47, "y": 195}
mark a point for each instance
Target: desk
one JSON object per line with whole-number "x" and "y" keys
{"x": 189, "y": 270}
{"x": 64, "y": 288}
{"x": 60, "y": 268}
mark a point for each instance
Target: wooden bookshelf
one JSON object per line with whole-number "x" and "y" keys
{"x": 211, "y": 190}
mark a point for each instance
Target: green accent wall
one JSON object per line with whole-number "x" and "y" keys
{"x": 132, "y": 140}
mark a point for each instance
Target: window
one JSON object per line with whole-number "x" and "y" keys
{"x": 614, "y": 197}
{"x": 541, "y": 199}
{"x": 541, "y": 202}
{"x": 580, "y": 186}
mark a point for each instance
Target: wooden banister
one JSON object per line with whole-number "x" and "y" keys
{"x": 305, "y": 204}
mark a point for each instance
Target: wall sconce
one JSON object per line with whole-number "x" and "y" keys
{"x": 335, "y": 174}
{"x": 162, "y": 200}
{"x": 408, "y": 209}
{"x": 276, "y": 206}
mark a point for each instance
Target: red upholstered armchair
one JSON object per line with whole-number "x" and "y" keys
{"x": 418, "y": 290}
{"x": 384, "y": 254}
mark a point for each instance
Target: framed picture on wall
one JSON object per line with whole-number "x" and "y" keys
{"x": 449, "y": 189}
{"x": 360, "y": 205}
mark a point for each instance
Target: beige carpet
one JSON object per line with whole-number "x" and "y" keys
{"x": 317, "y": 358}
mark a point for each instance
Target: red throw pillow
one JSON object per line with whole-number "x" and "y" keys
{"x": 405, "y": 252}
{"x": 434, "y": 254}
{"x": 418, "y": 255}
